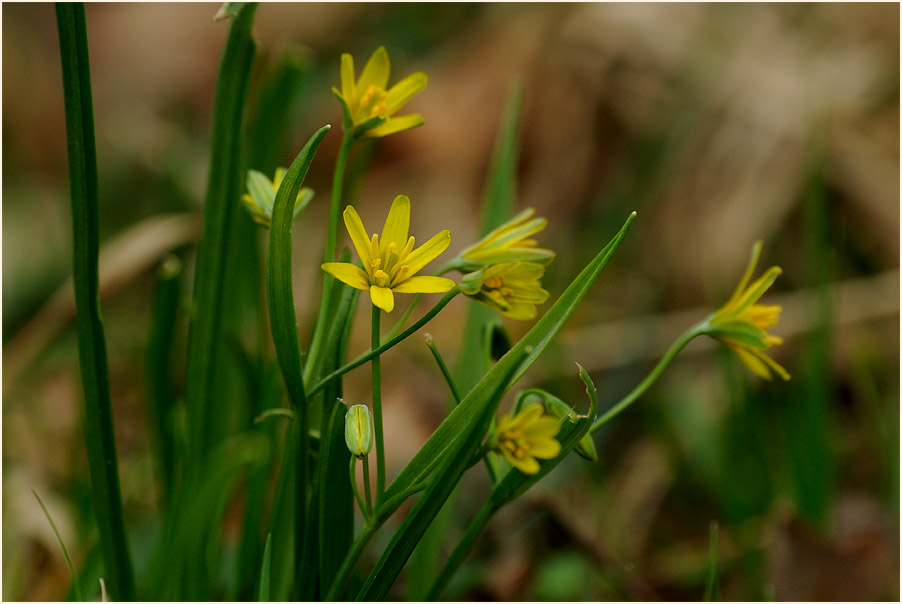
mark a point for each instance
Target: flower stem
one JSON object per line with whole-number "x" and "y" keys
{"x": 639, "y": 390}
{"x": 366, "y": 487}
{"x": 363, "y": 358}
{"x": 363, "y": 506}
{"x": 463, "y": 548}
{"x": 317, "y": 340}
{"x": 377, "y": 407}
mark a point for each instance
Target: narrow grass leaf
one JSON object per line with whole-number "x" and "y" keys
{"x": 72, "y": 575}
{"x": 452, "y": 467}
{"x": 516, "y": 362}
{"x": 99, "y": 440}
{"x": 263, "y": 592}
{"x": 712, "y": 588}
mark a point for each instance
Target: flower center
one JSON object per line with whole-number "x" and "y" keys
{"x": 372, "y": 103}
{"x": 380, "y": 277}
{"x": 515, "y": 443}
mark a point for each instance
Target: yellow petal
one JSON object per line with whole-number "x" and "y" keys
{"x": 404, "y": 90}
{"x": 753, "y": 262}
{"x": 358, "y": 235}
{"x": 754, "y": 363}
{"x": 396, "y": 124}
{"x": 527, "y": 465}
{"x": 546, "y": 448}
{"x": 397, "y": 223}
{"x": 376, "y": 71}
{"x": 348, "y": 90}
{"x": 428, "y": 252}
{"x": 543, "y": 428}
{"x": 424, "y": 285}
{"x": 382, "y": 297}
{"x": 520, "y": 312}
{"x": 348, "y": 273}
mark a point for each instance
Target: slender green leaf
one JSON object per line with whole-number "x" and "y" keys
{"x": 101, "y": 445}
{"x": 158, "y": 360}
{"x": 72, "y": 575}
{"x": 535, "y": 341}
{"x": 515, "y": 483}
{"x": 452, "y": 467}
{"x": 224, "y": 186}
{"x": 263, "y": 592}
{"x": 712, "y": 588}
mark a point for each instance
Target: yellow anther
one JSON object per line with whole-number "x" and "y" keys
{"x": 377, "y": 264}
{"x": 494, "y": 282}
{"x": 392, "y": 247}
{"x": 380, "y": 277}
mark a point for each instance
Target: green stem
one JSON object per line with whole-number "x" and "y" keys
{"x": 382, "y": 513}
{"x": 639, "y": 390}
{"x": 377, "y": 406}
{"x": 357, "y": 496}
{"x": 317, "y": 341}
{"x": 444, "y": 368}
{"x": 373, "y": 352}
{"x": 367, "y": 489}
{"x": 462, "y": 550}
{"x": 396, "y": 328}
{"x": 98, "y": 423}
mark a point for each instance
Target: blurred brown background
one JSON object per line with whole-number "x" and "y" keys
{"x": 719, "y": 123}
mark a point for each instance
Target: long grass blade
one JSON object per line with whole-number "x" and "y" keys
{"x": 76, "y": 586}
{"x": 263, "y": 592}
{"x": 534, "y": 341}
{"x": 92, "y": 356}
{"x": 223, "y": 191}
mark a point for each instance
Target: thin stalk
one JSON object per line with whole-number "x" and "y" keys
{"x": 639, "y": 390}
{"x": 98, "y": 423}
{"x": 317, "y": 340}
{"x": 373, "y": 352}
{"x": 462, "y": 550}
{"x": 381, "y": 513}
{"x": 364, "y": 508}
{"x": 444, "y": 368}
{"x": 367, "y": 489}
{"x": 377, "y": 406}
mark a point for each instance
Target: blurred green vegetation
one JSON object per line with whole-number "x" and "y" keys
{"x": 719, "y": 124}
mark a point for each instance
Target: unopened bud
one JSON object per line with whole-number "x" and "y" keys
{"x": 359, "y": 430}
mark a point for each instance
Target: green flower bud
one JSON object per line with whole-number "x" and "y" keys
{"x": 559, "y": 409}
{"x": 359, "y": 430}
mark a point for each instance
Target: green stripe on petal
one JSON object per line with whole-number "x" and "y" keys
{"x": 424, "y": 285}
{"x": 376, "y": 71}
{"x": 396, "y": 124}
{"x": 350, "y": 274}
{"x": 428, "y": 252}
{"x": 404, "y": 90}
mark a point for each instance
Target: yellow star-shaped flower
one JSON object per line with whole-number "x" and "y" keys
{"x": 390, "y": 262}
{"x": 526, "y": 437}
{"x": 742, "y": 324}
{"x": 369, "y": 97}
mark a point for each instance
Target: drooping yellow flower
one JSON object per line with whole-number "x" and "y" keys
{"x": 507, "y": 243}
{"x": 369, "y": 97}
{"x": 512, "y": 288}
{"x": 527, "y": 437}
{"x": 742, "y": 324}
{"x": 261, "y": 194}
{"x": 390, "y": 261}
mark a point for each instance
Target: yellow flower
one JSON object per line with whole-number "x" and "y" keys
{"x": 261, "y": 194}
{"x": 389, "y": 261}
{"x": 508, "y": 243}
{"x": 512, "y": 288}
{"x": 368, "y": 98}
{"x": 742, "y": 324}
{"x": 526, "y": 437}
